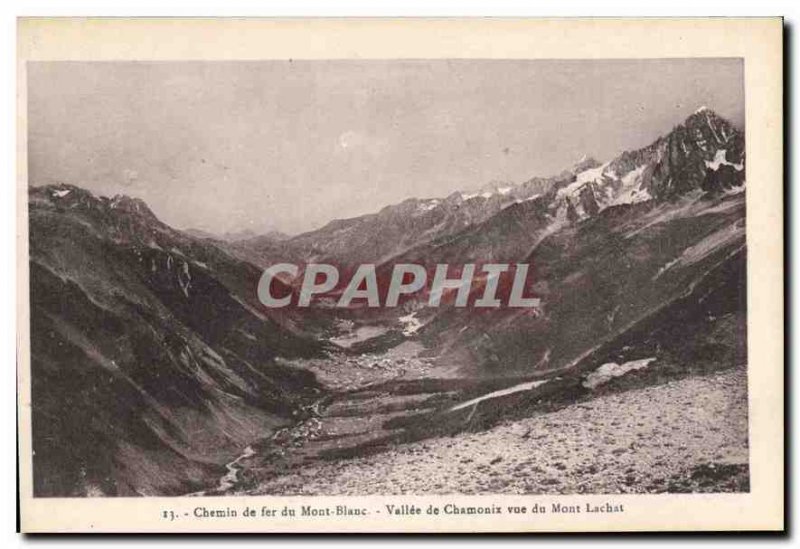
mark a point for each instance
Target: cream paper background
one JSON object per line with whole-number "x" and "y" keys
{"x": 758, "y": 41}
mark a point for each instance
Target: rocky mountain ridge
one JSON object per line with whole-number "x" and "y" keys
{"x": 150, "y": 358}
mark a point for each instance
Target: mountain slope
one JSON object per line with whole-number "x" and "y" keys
{"x": 151, "y": 363}
{"x": 598, "y": 280}
{"x": 609, "y": 244}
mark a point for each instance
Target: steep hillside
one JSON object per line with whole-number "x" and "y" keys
{"x": 615, "y": 245}
{"x": 596, "y": 280}
{"x": 151, "y": 362}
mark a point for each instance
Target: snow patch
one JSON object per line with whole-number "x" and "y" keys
{"x": 534, "y": 197}
{"x": 735, "y": 190}
{"x": 62, "y": 194}
{"x": 631, "y": 191}
{"x": 502, "y": 392}
{"x": 427, "y": 206}
{"x": 487, "y": 193}
{"x": 610, "y": 370}
{"x": 592, "y": 174}
{"x": 584, "y": 177}
{"x": 411, "y": 324}
{"x": 362, "y": 333}
{"x": 720, "y": 160}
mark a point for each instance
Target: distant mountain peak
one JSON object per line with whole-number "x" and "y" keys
{"x": 702, "y": 115}
{"x": 122, "y": 216}
{"x": 493, "y": 187}
{"x": 586, "y": 162}
{"x": 131, "y": 205}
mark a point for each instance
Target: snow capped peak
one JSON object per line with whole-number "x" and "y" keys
{"x": 428, "y": 205}
{"x": 701, "y": 109}
{"x": 592, "y": 174}
{"x": 489, "y": 190}
{"x": 585, "y": 163}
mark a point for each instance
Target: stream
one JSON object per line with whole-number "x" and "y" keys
{"x": 229, "y": 479}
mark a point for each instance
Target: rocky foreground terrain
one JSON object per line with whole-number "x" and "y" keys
{"x": 686, "y": 435}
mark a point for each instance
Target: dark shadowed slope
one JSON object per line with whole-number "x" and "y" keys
{"x": 151, "y": 363}
{"x": 597, "y": 280}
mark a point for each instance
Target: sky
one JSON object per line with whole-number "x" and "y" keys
{"x": 286, "y": 145}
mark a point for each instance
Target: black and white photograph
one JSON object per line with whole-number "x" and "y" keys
{"x": 161, "y": 191}
{"x": 389, "y": 277}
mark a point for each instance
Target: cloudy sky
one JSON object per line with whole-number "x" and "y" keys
{"x": 290, "y": 145}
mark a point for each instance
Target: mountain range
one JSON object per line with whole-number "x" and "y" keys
{"x": 705, "y": 152}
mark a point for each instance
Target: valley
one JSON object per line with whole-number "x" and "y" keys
{"x": 611, "y": 430}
